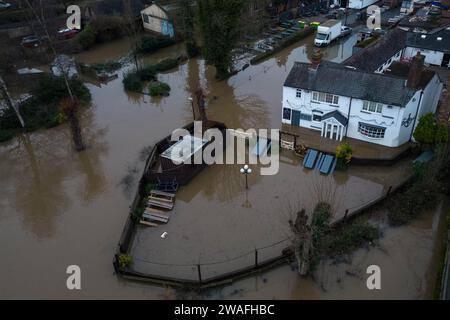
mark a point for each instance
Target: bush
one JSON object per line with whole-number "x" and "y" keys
{"x": 412, "y": 200}
{"x": 158, "y": 88}
{"x": 149, "y": 44}
{"x": 5, "y": 135}
{"x": 147, "y": 73}
{"x": 107, "y": 66}
{"x": 132, "y": 82}
{"x": 344, "y": 155}
{"x": 166, "y": 64}
{"x": 351, "y": 237}
{"x": 107, "y": 28}
{"x": 42, "y": 110}
{"x": 86, "y": 38}
{"x": 52, "y": 89}
{"x": 429, "y": 131}
{"x": 124, "y": 260}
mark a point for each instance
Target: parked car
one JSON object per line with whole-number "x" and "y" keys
{"x": 4, "y": 5}
{"x": 345, "y": 31}
{"x": 66, "y": 33}
{"x": 31, "y": 41}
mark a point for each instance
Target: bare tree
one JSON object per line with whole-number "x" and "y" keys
{"x": 72, "y": 111}
{"x": 131, "y": 30}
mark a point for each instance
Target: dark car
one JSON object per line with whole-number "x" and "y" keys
{"x": 31, "y": 41}
{"x": 66, "y": 33}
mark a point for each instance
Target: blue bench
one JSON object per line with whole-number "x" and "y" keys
{"x": 310, "y": 158}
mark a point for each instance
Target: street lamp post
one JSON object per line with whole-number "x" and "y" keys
{"x": 246, "y": 170}
{"x": 192, "y": 106}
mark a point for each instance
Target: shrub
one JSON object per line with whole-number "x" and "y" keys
{"x": 408, "y": 203}
{"x": 86, "y": 38}
{"x": 166, "y": 64}
{"x": 429, "y": 131}
{"x": 149, "y": 44}
{"x": 125, "y": 261}
{"x": 351, "y": 237}
{"x": 132, "y": 82}
{"x": 158, "y": 88}
{"x": 107, "y": 28}
{"x": 5, "y": 135}
{"x": 344, "y": 151}
{"x": 52, "y": 89}
{"x": 147, "y": 73}
{"x": 107, "y": 66}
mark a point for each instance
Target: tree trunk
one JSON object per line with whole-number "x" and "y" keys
{"x": 76, "y": 130}
{"x": 303, "y": 267}
{"x": 5, "y": 94}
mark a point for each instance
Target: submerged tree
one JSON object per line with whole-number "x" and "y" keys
{"x": 131, "y": 30}
{"x": 188, "y": 22}
{"x": 73, "y": 118}
{"x": 218, "y": 20}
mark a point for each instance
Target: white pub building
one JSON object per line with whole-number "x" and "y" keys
{"x": 339, "y": 101}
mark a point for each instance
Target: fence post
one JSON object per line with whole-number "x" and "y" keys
{"x": 256, "y": 258}
{"x": 199, "y": 274}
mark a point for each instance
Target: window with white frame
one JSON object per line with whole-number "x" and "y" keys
{"x": 371, "y": 106}
{"x": 371, "y": 131}
{"x": 298, "y": 94}
{"x": 325, "y": 97}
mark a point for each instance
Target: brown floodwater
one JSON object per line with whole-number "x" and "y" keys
{"x": 59, "y": 208}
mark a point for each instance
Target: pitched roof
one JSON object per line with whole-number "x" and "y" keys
{"x": 337, "y": 115}
{"x": 377, "y": 53}
{"x": 341, "y": 80}
{"x": 430, "y": 41}
{"x": 401, "y": 69}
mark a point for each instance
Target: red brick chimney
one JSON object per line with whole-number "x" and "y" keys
{"x": 316, "y": 58}
{"x": 415, "y": 71}
{"x": 443, "y": 113}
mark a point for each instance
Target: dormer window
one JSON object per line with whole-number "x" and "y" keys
{"x": 298, "y": 94}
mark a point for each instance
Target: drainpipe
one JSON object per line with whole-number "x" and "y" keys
{"x": 417, "y": 112}
{"x": 348, "y": 116}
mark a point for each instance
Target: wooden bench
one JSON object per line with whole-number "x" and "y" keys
{"x": 148, "y": 224}
{"x": 162, "y": 194}
{"x": 160, "y": 204}
{"x": 152, "y": 217}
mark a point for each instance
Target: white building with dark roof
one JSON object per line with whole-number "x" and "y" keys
{"x": 434, "y": 46}
{"x": 341, "y": 101}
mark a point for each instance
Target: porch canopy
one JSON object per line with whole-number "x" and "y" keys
{"x": 333, "y": 125}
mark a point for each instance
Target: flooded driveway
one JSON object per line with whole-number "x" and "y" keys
{"x": 59, "y": 208}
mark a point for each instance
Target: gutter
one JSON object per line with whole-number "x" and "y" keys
{"x": 348, "y": 116}
{"x": 417, "y": 112}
